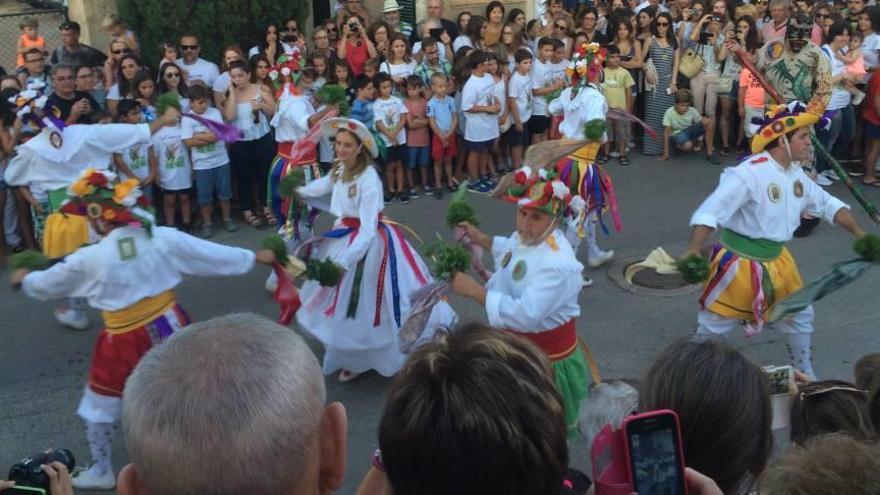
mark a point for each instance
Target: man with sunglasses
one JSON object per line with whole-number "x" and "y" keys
{"x": 198, "y": 70}
{"x": 72, "y": 51}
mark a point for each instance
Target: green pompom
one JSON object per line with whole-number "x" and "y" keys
{"x": 296, "y": 178}
{"x": 447, "y": 259}
{"x": 549, "y": 97}
{"x": 277, "y": 245}
{"x": 460, "y": 210}
{"x": 167, "y": 100}
{"x": 593, "y": 129}
{"x": 868, "y": 247}
{"x": 31, "y": 259}
{"x": 334, "y": 94}
{"x": 325, "y": 272}
{"x": 693, "y": 268}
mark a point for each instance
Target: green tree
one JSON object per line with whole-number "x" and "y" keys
{"x": 215, "y": 22}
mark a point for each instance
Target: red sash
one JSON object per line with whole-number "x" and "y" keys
{"x": 285, "y": 148}
{"x": 558, "y": 343}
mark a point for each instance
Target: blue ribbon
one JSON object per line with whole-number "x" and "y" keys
{"x": 392, "y": 262}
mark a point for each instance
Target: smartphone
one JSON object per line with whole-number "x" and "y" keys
{"x": 704, "y": 38}
{"x": 780, "y": 403}
{"x": 436, "y": 33}
{"x": 779, "y": 377}
{"x": 654, "y": 453}
{"x": 24, "y": 490}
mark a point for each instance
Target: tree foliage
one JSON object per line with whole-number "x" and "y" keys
{"x": 216, "y": 22}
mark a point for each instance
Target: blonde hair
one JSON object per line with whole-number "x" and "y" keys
{"x": 112, "y": 20}
{"x": 361, "y": 163}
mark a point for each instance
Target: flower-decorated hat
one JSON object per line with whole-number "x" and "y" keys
{"x": 783, "y": 119}
{"x": 585, "y": 64}
{"x": 94, "y": 195}
{"x": 542, "y": 191}
{"x": 286, "y": 69}
{"x": 330, "y": 127}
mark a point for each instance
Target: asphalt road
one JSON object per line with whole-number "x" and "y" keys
{"x": 43, "y": 366}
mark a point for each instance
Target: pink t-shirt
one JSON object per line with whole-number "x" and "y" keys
{"x": 754, "y": 92}
{"x": 417, "y": 137}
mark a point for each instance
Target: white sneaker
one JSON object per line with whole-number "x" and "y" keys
{"x": 271, "y": 282}
{"x": 91, "y": 479}
{"x": 72, "y": 318}
{"x": 347, "y": 375}
{"x": 614, "y": 154}
{"x": 587, "y": 282}
{"x": 823, "y": 180}
{"x": 599, "y": 258}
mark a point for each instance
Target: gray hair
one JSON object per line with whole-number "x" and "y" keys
{"x": 608, "y": 402}
{"x": 228, "y": 406}
{"x": 779, "y": 3}
{"x": 64, "y": 66}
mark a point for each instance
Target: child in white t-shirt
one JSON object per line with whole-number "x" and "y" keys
{"x": 546, "y": 80}
{"x": 175, "y": 174}
{"x": 389, "y": 115}
{"x": 481, "y": 109}
{"x": 139, "y": 161}
{"x": 210, "y": 162}
{"x": 519, "y": 101}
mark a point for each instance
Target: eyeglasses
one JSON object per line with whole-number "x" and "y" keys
{"x": 331, "y": 28}
{"x": 85, "y": 76}
{"x": 842, "y": 388}
{"x": 662, "y": 24}
{"x": 561, "y": 26}
{"x": 293, "y": 29}
{"x": 119, "y": 52}
{"x": 507, "y": 33}
{"x": 64, "y": 78}
{"x": 169, "y": 75}
{"x": 189, "y": 47}
{"x": 820, "y": 15}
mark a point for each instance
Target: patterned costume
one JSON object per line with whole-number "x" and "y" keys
{"x": 358, "y": 319}
{"x": 129, "y": 275}
{"x": 758, "y": 205}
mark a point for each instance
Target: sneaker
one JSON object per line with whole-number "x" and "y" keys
{"x": 428, "y": 190}
{"x": 474, "y": 187}
{"x": 713, "y": 159}
{"x": 403, "y": 197}
{"x": 451, "y": 189}
{"x": 207, "y": 231}
{"x": 614, "y": 154}
{"x": 823, "y": 180}
{"x": 229, "y": 225}
{"x": 413, "y": 193}
{"x": 599, "y": 258}
{"x": 72, "y": 318}
{"x": 485, "y": 187}
{"x": 492, "y": 183}
{"x": 346, "y": 376}
{"x": 92, "y": 479}
{"x": 389, "y": 197}
{"x": 438, "y": 194}
{"x": 830, "y": 175}
{"x": 586, "y": 282}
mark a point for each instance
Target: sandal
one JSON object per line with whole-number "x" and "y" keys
{"x": 251, "y": 219}
{"x": 602, "y": 160}
{"x": 724, "y": 151}
{"x": 873, "y": 183}
{"x": 624, "y": 161}
{"x": 269, "y": 218}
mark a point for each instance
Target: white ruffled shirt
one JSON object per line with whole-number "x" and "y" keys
{"x": 588, "y": 104}
{"x": 360, "y": 198}
{"x": 537, "y": 288}
{"x": 760, "y": 199}
{"x": 291, "y": 120}
{"x": 128, "y": 266}
{"x": 42, "y": 167}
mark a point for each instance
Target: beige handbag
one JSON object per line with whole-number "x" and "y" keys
{"x": 691, "y": 63}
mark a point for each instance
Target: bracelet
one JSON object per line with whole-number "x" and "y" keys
{"x": 377, "y": 460}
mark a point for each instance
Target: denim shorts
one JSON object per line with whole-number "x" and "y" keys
{"x": 211, "y": 182}
{"x": 689, "y": 133}
{"x": 418, "y": 156}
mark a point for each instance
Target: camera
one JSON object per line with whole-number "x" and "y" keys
{"x": 353, "y": 26}
{"x": 27, "y": 472}
{"x": 289, "y": 38}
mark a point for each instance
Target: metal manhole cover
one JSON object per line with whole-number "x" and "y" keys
{"x": 650, "y": 279}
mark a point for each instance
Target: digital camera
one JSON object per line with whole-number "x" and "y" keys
{"x": 27, "y": 472}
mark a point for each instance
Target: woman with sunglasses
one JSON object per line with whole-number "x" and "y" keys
{"x": 171, "y": 80}
{"x": 662, "y": 49}
{"x": 821, "y": 12}
{"x": 118, "y": 48}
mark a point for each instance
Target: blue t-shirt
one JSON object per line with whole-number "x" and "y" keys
{"x": 442, "y": 111}
{"x": 362, "y": 110}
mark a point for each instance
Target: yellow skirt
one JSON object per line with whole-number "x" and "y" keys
{"x": 746, "y": 289}
{"x": 64, "y": 234}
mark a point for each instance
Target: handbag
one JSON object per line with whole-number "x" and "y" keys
{"x": 650, "y": 75}
{"x": 691, "y": 63}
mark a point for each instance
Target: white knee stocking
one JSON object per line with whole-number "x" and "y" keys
{"x": 100, "y": 437}
{"x": 800, "y": 351}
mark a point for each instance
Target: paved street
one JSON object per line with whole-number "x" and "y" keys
{"x": 43, "y": 367}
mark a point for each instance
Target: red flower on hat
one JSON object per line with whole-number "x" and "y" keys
{"x": 352, "y": 126}
{"x": 97, "y": 179}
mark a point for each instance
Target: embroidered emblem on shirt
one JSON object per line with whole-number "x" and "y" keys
{"x": 774, "y": 192}
{"x": 352, "y": 190}
{"x": 56, "y": 140}
{"x": 798, "y": 189}
{"x": 519, "y": 270}
{"x": 551, "y": 241}
{"x": 127, "y": 249}
{"x": 506, "y": 259}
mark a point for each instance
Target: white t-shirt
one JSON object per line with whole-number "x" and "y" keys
{"x": 208, "y": 156}
{"x": 460, "y": 41}
{"x": 113, "y": 93}
{"x": 221, "y": 84}
{"x": 870, "y": 52}
{"x": 200, "y": 70}
{"x": 520, "y": 87}
{"x": 137, "y": 159}
{"x": 839, "y": 96}
{"x": 478, "y": 92}
{"x": 501, "y": 97}
{"x": 398, "y": 70}
{"x": 543, "y": 75}
{"x": 175, "y": 171}
{"x": 390, "y": 113}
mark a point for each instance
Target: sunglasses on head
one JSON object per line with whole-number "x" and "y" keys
{"x": 842, "y": 388}
{"x": 189, "y": 47}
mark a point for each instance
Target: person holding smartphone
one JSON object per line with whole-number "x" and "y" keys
{"x": 710, "y": 41}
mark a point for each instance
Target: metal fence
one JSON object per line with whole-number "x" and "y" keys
{"x": 49, "y": 21}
